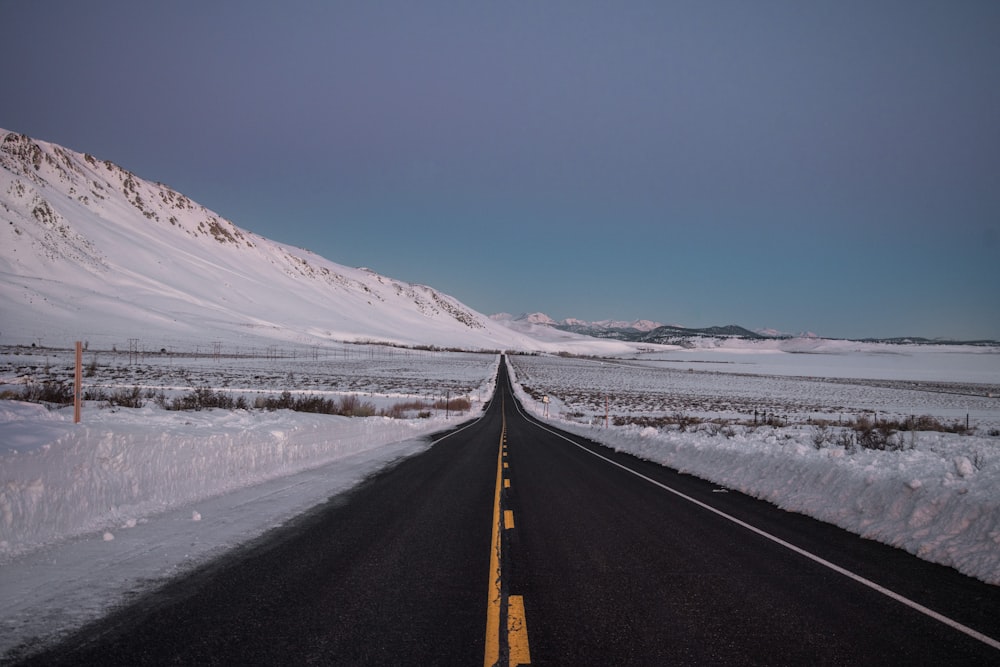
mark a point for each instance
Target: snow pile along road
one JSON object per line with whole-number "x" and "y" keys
{"x": 937, "y": 499}
{"x": 62, "y": 479}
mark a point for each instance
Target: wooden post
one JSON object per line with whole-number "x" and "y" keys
{"x": 77, "y": 389}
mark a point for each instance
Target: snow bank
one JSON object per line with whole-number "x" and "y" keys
{"x": 938, "y": 500}
{"x": 61, "y": 479}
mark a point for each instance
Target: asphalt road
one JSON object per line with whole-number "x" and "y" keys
{"x": 507, "y": 540}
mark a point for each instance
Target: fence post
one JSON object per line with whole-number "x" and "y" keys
{"x": 77, "y": 389}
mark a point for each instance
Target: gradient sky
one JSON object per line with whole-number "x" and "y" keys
{"x": 825, "y": 166}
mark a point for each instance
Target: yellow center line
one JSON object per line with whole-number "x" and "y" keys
{"x": 516, "y": 646}
{"x": 517, "y": 632}
{"x": 494, "y": 594}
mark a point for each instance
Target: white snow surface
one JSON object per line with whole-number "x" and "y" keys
{"x": 118, "y": 466}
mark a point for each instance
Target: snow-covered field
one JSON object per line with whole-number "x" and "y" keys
{"x": 92, "y": 513}
{"x": 63, "y": 479}
{"x": 373, "y": 372}
{"x": 934, "y": 494}
{"x": 894, "y": 381}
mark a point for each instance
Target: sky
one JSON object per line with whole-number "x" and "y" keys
{"x": 823, "y": 166}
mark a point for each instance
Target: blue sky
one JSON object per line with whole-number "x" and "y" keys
{"x": 825, "y": 166}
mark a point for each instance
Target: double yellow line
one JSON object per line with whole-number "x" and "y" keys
{"x": 515, "y": 641}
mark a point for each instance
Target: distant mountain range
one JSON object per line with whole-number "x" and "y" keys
{"x": 637, "y": 331}
{"x": 542, "y": 318}
{"x": 648, "y": 331}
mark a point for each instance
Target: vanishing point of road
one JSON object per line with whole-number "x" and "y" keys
{"x": 509, "y": 542}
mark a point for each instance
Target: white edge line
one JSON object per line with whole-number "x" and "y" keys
{"x": 975, "y": 634}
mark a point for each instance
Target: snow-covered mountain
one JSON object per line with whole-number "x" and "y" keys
{"x": 571, "y": 322}
{"x": 536, "y": 318}
{"x": 637, "y": 331}
{"x": 638, "y": 325}
{"x": 633, "y": 325}
{"x": 775, "y": 333}
{"x": 90, "y": 251}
